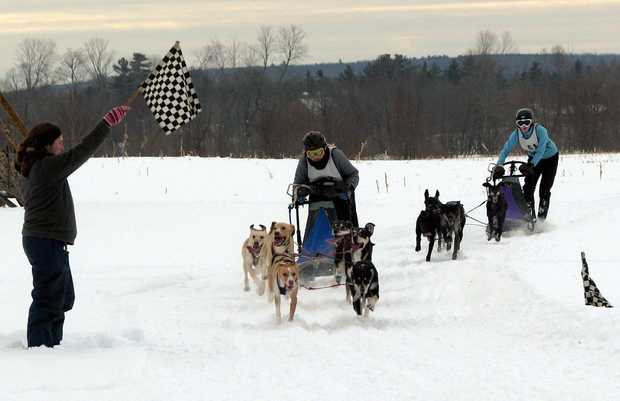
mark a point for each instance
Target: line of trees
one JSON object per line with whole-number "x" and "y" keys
{"x": 394, "y": 108}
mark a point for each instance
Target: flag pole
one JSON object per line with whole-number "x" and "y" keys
{"x": 13, "y": 115}
{"x": 133, "y": 96}
{"x": 135, "y": 93}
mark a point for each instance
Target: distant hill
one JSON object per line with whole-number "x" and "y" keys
{"x": 513, "y": 63}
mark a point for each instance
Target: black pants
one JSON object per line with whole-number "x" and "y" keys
{"x": 346, "y": 209}
{"x": 546, "y": 168}
{"x": 53, "y": 293}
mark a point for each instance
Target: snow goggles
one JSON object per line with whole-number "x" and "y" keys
{"x": 312, "y": 153}
{"x": 524, "y": 123}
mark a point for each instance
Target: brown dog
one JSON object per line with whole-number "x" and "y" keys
{"x": 276, "y": 254}
{"x": 283, "y": 280}
{"x": 279, "y": 241}
{"x": 250, "y": 252}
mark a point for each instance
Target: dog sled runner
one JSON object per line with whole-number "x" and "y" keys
{"x": 518, "y": 214}
{"x": 316, "y": 250}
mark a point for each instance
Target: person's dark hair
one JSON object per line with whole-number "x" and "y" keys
{"x": 524, "y": 114}
{"x": 314, "y": 140}
{"x": 34, "y": 147}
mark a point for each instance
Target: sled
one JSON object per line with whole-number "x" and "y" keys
{"x": 517, "y": 213}
{"x": 315, "y": 253}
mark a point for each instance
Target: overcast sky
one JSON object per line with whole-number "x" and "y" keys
{"x": 346, "y": 30}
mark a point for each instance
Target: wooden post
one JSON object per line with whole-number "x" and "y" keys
{"x": 386, "y": 183}
{"x": 7, "y": 136}
{"x": 17, "y": 122}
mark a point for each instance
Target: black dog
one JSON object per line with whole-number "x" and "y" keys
{"x": 452, "y": 219}
{"x": 344, "y": 243}
{"x": 362, "y": 251}
{"x": 496, "y": 210}
{"x": 429, "y": 225}
{"x": 362, "y": 244}
{"x": 364, "y": 286}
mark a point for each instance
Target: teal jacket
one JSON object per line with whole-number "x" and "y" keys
{"x": 544, "y": 150}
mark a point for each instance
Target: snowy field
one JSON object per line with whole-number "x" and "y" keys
{"x": 160, "y": 312}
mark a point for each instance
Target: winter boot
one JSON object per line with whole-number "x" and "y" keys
{"x": 543, "y": 208}
{"x": 531, "y": 216}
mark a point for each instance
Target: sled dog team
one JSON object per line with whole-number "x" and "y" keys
{"x": 325, "y": 174}
{"x": 269, "y": 260}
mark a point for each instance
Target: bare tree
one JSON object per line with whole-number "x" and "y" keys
{"x": 212, "y": 55}
{"x": 98, "y": 59}
{"x": 34, "y": 64}
{"x": 203, "y": 58}
{"x": 290, "y": 46}
{"x": 232, "y": 54}
{"x": 507, "y": 45}
{"x": 218, "y": 51}
{"x": 266, "y": 45}
{"x": 11, "y": 82}
{"x": 559, "y": 59}
{"x": 72, "y": 67}
{"x": 249, "y": 56}
{"x": 488, "y": 43}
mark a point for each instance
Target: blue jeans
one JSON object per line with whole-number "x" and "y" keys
{"x": 52, "y": 293}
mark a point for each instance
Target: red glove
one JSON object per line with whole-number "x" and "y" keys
{"x": 116, "y": 115}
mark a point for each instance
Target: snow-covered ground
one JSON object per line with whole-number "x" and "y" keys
{"x": 160, "y": 312}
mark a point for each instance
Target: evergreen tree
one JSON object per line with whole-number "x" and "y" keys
{"x": 140, "y": 67}
{"x": 453, "y": 73}
{"x": 122, "y": 82}
{"x": 347, "y": 75}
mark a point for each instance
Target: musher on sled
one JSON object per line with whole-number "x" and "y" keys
{"x": 542, "y": 160}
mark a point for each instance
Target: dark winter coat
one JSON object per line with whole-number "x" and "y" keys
{"x": 349, "y": 173}
{"x": 48, "y": 204}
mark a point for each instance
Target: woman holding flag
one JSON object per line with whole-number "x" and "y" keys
{"x": 49, "y": 220}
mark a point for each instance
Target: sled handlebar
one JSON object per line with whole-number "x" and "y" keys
{"x": 511, "y": 171}
{"x": 293, "y": 190}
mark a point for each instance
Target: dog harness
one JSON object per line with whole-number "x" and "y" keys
{"x": 529, "y": 144}
{"x": 367, "y": 251}
{"x": 282, "y": 257}
{"x": 281, "y": 287}
{"x": 344, "y": 245}
{"x": 277, "y": 259}
{"x": 255, "y": 252}
{"x": 329, "y": 171}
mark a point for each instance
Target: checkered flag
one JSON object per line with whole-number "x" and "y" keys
{"x": 590, "y": 291}
{"x": 169, "y": 92}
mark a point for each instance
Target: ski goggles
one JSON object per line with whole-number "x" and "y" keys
{"x": 524, "y": 123}
{"x": 314, "y": 153}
